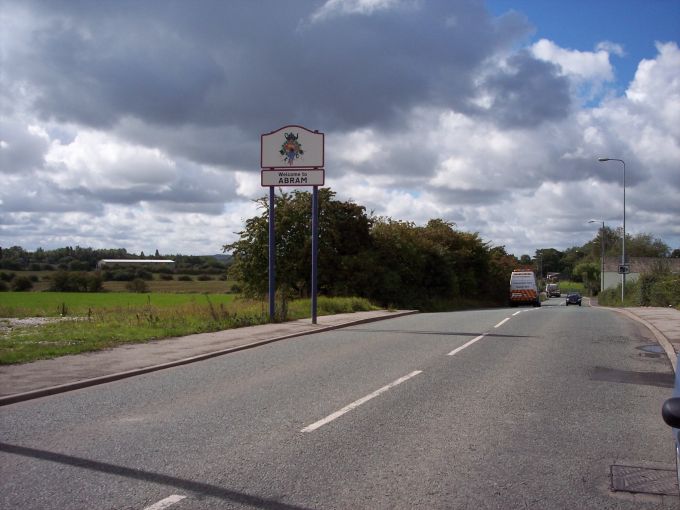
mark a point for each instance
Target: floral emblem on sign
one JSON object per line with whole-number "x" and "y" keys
{"x": 291, "y": 149}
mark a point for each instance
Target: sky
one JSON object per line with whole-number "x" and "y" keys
{"x": 136, "y": 123}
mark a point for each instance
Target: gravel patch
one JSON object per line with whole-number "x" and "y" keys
{"x": 7, "y": 324}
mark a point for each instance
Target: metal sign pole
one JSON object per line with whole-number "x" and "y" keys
{"x": 272, "y": 257}
{"x": 315, "y": 246}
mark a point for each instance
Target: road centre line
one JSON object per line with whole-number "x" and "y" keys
{"x": 516, "y": 313}
{"x": 165, "y": 503}
{"x": 502, "y": 322}
{"x": 357, "y": 403}
{"x": 453, "y": 352}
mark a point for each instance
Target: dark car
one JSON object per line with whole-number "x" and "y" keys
{"x": 574, "y": 298}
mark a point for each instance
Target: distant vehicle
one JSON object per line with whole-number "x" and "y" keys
{"x": 574, "y": 299}
{"x": 523, "y": 288}
{"x": 553, "y": 290}
{"x": 670, "y": 412}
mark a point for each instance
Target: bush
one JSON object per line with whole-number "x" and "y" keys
{"x": 65, "y": 281}
{"x": 184, "y": 278}
{"x": 204, "y": 278}
{"x": 21, "y": 284}
{"x": 137, "y": 285}
{"x": 653, "y": 289}
{"x": 166, "y": 277}
{"x": 3, "y": 286}
{"x": 6, "y": 277}
{"x": 95, "y": 283}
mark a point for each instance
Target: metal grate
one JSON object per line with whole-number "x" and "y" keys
{"x": 643, "y": 479}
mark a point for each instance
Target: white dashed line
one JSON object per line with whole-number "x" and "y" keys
{"x": 516, "y": 313}
{"x": 465, "y": 345}
{"x": 357, "y": 403}
{"x": 502, "y": 322}
{"x": 165, "y": 503}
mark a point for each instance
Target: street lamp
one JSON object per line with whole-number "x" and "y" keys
{"x": 602, "y": 254}
{"x": 623, "y": 241}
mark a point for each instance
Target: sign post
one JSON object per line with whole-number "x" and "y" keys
{"x": 292, "y": 156}
{"x": 272, "y": 258}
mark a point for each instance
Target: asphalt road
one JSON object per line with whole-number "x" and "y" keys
{"x": 450, "y": 410}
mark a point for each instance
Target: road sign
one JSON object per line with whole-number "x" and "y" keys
{"x": 292, "y": 147}
{"x": 292, "y": 156}
{"x": 294, "y": 177}
{"x": 624, "y": 269}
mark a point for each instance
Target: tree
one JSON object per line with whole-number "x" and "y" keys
{"x": 646, "y": 245}
{"x": 589, "y": 272}
{"x": 343, "y": 240}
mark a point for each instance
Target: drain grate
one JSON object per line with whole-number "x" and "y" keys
{"x": 643, "y": 479}
{"x": 660, "y": 379}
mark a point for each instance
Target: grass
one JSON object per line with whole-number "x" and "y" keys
{"x": 108, "y": 326}
{"x": 567, "y": 286}
{"x": 57, "y": 304}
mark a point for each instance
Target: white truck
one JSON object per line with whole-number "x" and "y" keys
{"x": 523, "y": 288}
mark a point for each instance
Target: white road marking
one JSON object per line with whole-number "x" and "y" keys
{"x": 165, "y": 503}
{"x": 502, "y": 322}
{"x": 357, "y": 403}
{"x": 517, "y": 313}
{"x": 465, "y": 345}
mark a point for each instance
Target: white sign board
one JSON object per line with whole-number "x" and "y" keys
{"x": 292, "y": 147}
{"x": 293, "y": 177}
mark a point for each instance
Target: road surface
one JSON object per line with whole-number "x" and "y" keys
{"x": 503, "y": 408}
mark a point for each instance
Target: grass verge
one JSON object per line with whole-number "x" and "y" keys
{"x": 113, "y": 326}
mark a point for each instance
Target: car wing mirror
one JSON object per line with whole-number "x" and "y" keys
{"x": 670, "y": 412}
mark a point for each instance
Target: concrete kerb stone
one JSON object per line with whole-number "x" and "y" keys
{"x": 661, "y": 338}
{"x": 62, "y": 388}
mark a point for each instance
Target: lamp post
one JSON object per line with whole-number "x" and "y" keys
{"x": 602, "y": 254}
{"x": 623, "y": 241}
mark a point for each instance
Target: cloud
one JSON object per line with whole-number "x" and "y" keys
{"x": 349, "y": 7}
{"x": 129, "y": 123}
{"x": 585, "y": 65}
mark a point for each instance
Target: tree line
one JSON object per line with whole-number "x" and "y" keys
{"x": 15, "y": 258}
{"x": 398, "y": 263}
{"x": 393, "y": 263}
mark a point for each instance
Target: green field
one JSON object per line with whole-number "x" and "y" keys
{"x": 56, "y": 304}
{"x": 97, "y": 321}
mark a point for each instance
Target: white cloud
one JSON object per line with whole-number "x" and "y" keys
{"x": 96, "y": 160}
{"x": 584, "y": 65}
{"x": 347, "y": 7}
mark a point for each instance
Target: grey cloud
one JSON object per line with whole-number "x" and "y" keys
{"x": 252, "y": 64}
{"x": 528, "y": 93}
{"x": 20, "y": 151}
{"x": 193, "y": 191}
{"x": 32, "y": 194}
{"x": 479, "y": 197}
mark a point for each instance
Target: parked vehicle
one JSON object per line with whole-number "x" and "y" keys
{"x": 574, "y": 299}
{"x": 553, "y": 290}
{"x": 670, "y": 412}
{"x": 523, "y": 288}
